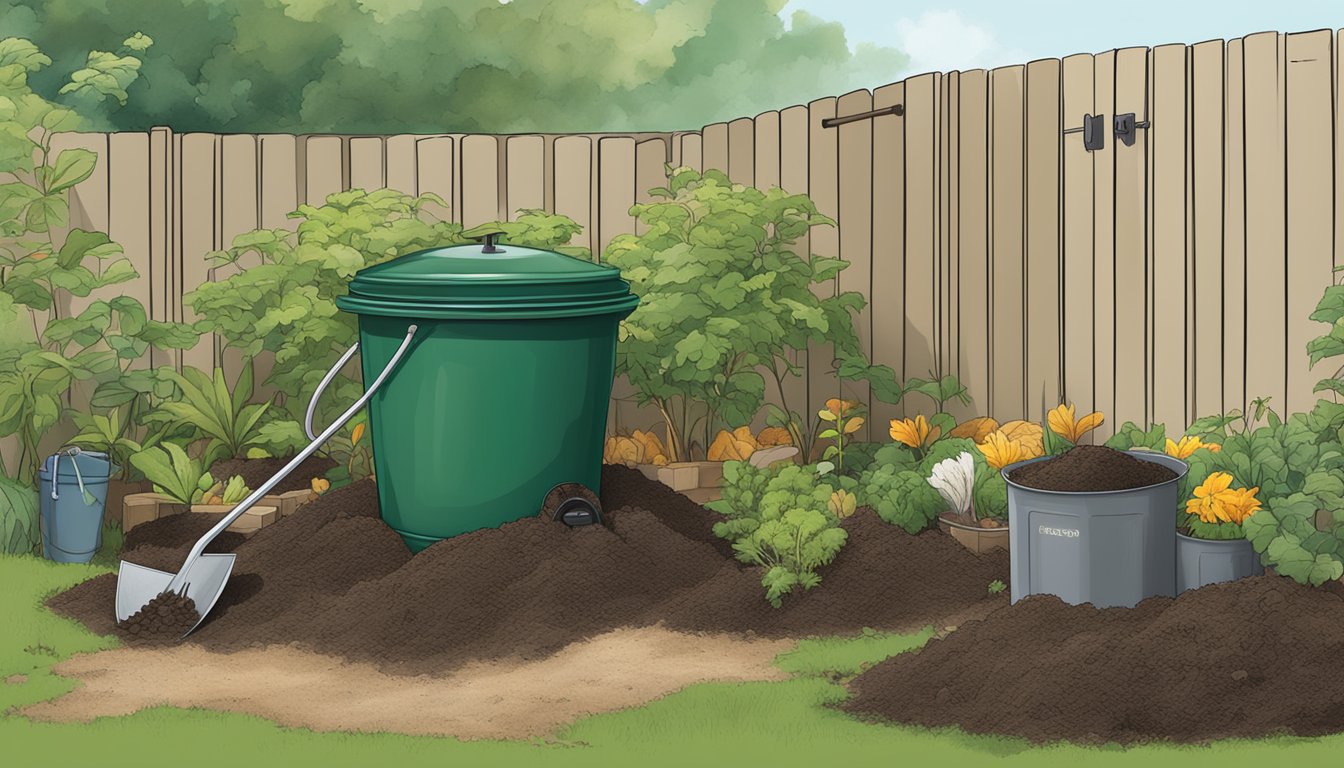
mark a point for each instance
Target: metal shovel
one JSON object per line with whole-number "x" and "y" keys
{"x": 202, "y": 577}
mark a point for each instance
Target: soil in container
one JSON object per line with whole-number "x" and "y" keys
{"x": 1239, "y": 659}
{"x": 1086, "y": 468}
{"x": 162, "y": 621}
{"x": 333, "y": 578}
{"x": 257, "y": 471}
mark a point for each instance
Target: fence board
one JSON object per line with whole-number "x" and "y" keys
{"x": 1103, "y": 249}
{"x": 239, "y": 213}
{"x": 322, "y": 165}
{"x": 973, "y": 229}
{"x": 1076, "y": 206}
{"x": 1338, "y": 60}
{"x": 400, "y": 151}
{"x": 1007, "y": 385}
{"x": 1042, "y": 281}
{"x": 526, "y": 174}
{"x": 692, "y": 151}
{"x": 279, "y": 193}
{"x": 200, "y": 185}
{"x": 1131, "y": 243}
{"x": 888, "y": 276}
{"x": 650, "y": 157}
{"x": 950, "y": 233}
{"x": 742, "y": 151}
{"x": 435, "y": 163}
{"x": 766, "y": 144}
{"x": 793, "y": 146}
{"x": 1206, "y": 189}
{"x": 616, "y": 185}
{"x": 855, "y": 202}
{"x": 1234, "y": 233}
{"x": 480, "y": 186}
{"x": 1266, "y": 312}
{"x": 1169, "y": 379}
{"x": 574, "y": 183}
{"x": 714, "y": 147}
{"x": 823, "y": 178}
{"x": 1310, "y": 203}
{"x": 367, "y": 168}
{"x": 921, "y": 234}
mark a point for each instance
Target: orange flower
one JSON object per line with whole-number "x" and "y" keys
{"x": 915, "y": 432}
{"x": 1062, "y": 423}
{"x": 1189, "y": 445}
{"x": 837, "y": 409}
{"x": 999, "y": 451}
{"x": 358, "y": 433}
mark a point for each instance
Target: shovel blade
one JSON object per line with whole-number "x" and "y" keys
{"x": 203, "y": 582}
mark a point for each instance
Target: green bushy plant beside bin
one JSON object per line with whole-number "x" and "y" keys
{"x": 45, "y": 266}
{"x": 725, "y": 298}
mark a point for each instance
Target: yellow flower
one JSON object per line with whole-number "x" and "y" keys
{"x": 321, "y": 484}
{"x": 1063, "y": 424}
{"x": 915, "y": 432}
{"x": 1189, "y": 445}
{"x": 358, "y": 433}
{"x": 1000, "y": 451}
{"x": 1211, "y": 498}
{"x": 1240, "y": 504}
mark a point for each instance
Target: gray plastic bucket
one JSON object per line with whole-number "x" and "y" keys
{"x": 72, "y": 523}
{"x": 1107, "y": 548}
{"x": 1202, "y": 561}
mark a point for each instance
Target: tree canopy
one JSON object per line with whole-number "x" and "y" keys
{"x": 390, "y": 66}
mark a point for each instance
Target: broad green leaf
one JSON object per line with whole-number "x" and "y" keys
{"x": 70, "y": 168}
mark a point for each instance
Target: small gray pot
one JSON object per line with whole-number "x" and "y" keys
{"x": 1204, "y": 561}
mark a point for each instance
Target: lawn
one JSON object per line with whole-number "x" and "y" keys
{"x": 786, "y": 722}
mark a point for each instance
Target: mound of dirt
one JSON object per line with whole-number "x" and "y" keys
{"x": 257, "y": 471}
{"x": 1241, "y": 659}
{"x": 1091, "y": 468}
{"x": 334, "y": 578}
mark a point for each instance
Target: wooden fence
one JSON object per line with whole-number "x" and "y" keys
{"x": 1160, "y": 280}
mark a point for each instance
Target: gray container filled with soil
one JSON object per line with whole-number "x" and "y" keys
{"x": 1094, "y": 525}
{"x": 1204, "y": 561}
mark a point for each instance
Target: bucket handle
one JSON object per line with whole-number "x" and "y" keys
{"x": 177, "y": 584}
{"x": 72, "y": 452}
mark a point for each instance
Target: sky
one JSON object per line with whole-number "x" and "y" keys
{"x": 968, "y": 34}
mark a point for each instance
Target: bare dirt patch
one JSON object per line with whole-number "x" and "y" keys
{"x": 482, "y": 700}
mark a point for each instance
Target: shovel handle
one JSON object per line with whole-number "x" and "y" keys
{"x": 246, "y": 504}
{"x": 322, "y": 387}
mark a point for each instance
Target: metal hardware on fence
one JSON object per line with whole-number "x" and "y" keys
{"x": 1094, "y": 135}
{"x": 1125, "y": 125}
{"x": 895, "y": 109}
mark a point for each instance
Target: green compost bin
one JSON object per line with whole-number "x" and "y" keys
{"x": 502, "y": 394}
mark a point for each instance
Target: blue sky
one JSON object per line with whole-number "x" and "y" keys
{"x": 968, "y": 33}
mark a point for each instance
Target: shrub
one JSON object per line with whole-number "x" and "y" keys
{"x": 900, "y": 496}
{"x": 781, "y": 519}
{"x": 724, "y": 299}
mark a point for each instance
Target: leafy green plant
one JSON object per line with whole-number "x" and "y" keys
{"x": 725, "y": 297}
{"x": 784, "y": 518}
{"x": 844, "y": 418}
{"x": 1131, "y": 435}
{"x": 901, "y": 497}
{"x": 44, "y": 263}
{"x": 230, "y": 424}
{"x": 174, "y": 473}
{"x": 109, "y": 433}
{"x": 19, "y": 532}
{"x": 996, "y": 587}
{"x": 1285, "y": 535}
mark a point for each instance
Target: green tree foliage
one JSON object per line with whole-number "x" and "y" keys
{"x": 18, "y": 518}
{"x": 724, "y": 297}
{"x": 386, "y": 66}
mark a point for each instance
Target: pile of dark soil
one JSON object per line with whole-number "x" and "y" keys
{"x": 1244, "y": 659}
{"x": 257, "y": 471}
{"x": 1091, "y": 468}
{"x": 162, "y": 621}
{"x": 334, "y": 578}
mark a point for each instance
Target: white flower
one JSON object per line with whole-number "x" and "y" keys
{"x": 954, "y": 479}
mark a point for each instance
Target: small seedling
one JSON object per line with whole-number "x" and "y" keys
{"x": 996, "y": 586}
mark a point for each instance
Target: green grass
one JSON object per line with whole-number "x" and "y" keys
{"x": 790, "y": 723}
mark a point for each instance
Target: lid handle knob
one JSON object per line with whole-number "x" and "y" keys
{"x": 488, "y": 234}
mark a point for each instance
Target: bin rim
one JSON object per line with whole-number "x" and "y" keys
{"x": 457, "y": 310}
{"x": 1178, "y": 466}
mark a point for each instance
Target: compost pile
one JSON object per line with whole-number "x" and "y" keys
{"x": 164, "y": 619}
{"x": 1241, "y": 659}
{"x": 334, "y": 578}
{"x": 1091, "y": 468}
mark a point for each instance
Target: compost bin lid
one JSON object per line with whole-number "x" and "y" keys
{"x": 488, "y": 280}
